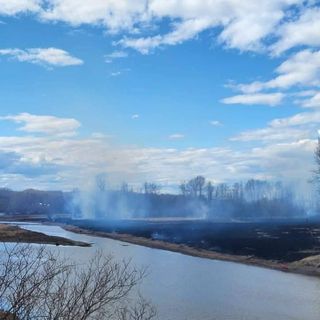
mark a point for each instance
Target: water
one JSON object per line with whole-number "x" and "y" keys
{"x": 190, "y": 288}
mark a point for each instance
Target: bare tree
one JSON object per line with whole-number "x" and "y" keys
{"x": 183, "y": 189}
{"x": 195, "y": 186}
{"x": 124, "y": 188}
{"x": 141, "y": 311}
{"x": 37, "y": 284}
{"x": 200, "y": 181}
{"x": 101, "y": 182}
{"x": 151, "y": 188}
{"x": 222, "y": 191}
{"x": 210, "y": 189}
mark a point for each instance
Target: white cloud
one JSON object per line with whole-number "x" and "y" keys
{"x": 244, "y": 25}
{"x": 99, "y": 135}
{"x": 115, "y": 74}
{"x": 271, "y": 99}
{"x": 115, "y": 55}
{"x": 272, "y": 134}
{"x": 135, "y": 116}
{"x": 13, "y": 7}
{"x": 76, "y": 160}
{"x": 302, "y": 68}
{"x": 297, "y": 119}
{"x": 313, "y": 101}
{"x": 115, "y": 15}
{"x": 291, "y": 129}
{"x": 44, "y": 124}
{"x": 51, "y": 57}
{"x": 303, "y": 31}
{"x": 216, "y": 123}
{"x": 183, "y": 31}
{"x": 176, "y": 136}
{"x": 48, "y": 160}
{"x": 285, "y": 161}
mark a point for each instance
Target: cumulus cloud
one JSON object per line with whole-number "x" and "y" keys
{"x": 13, "y": 7}
{"x": 49, "y": 125}
{"x": 77, "y": 159}
{"x": 294, "y": 128}
{"x": 298, "y": 119}
{"x": 14, "y": 163}
{"x": 51, "y": 57}
{"x": 301, "y": 69}
{"x": 271, "y": 99}
{"x": 272, "y": 134}
{"x": 313, "y": 101}
{"x": 115, "y": 15}
{"x": 53, "y": 161}
{"x": 301, "y": 32}
{"x": 244, "y": 25}
{"x": 183, "y": 31}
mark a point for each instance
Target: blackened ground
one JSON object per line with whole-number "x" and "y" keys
{"x": 284, "y": 241}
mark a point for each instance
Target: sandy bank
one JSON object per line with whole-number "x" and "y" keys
{"x": 10, "y": 233}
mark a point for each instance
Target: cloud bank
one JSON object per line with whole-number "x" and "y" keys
{"x": 53, "y": 159}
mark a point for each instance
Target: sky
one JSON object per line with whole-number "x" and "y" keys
{"x": 157, "y": 90}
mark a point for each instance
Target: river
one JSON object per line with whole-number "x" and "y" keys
{"x": 191, "y": 288}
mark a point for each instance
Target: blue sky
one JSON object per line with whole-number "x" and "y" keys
{"x": 157, "y": 90}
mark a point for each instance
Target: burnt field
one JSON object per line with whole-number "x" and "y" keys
{"x": 284, "y": 241}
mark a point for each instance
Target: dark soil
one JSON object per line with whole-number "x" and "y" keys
{"x": 283, "y": 241}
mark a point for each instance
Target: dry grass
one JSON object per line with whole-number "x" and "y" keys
{"x": 9, "y": 233}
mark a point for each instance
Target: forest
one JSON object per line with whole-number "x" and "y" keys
{"x": 253, "y": 199}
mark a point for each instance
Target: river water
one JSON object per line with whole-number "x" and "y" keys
{"x": 190, "y": 288}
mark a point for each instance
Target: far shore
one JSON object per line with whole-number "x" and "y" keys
{"x": 308, "y": 266}
{"x": 15, "y": 234}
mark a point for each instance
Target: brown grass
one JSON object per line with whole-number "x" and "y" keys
{"x": 10, "y": 233}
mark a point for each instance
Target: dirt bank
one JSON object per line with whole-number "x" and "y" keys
{"x": 10, "y": 233}
{"x": 302, "y": 266}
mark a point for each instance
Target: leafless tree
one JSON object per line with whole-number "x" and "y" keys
{"x": 124, "y": 189}
{"x": 101, "y": 182}
{"x": 142, "y": 310}
{"x": 151, "y": 188}
{"x": 37, "y": 284}
{"x": 183, "y": 189}
{"x": 210, "y": 189}
{"x": 200, "y": 182}
{"x": 194, "y": 187}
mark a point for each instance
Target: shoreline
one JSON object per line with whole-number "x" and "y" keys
{"x": 15, "y": 234}
{"x": 304, "y": 266}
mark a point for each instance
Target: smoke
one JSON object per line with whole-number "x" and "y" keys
{"x": 251, "y": 200}
{"x": 96, "y": 200}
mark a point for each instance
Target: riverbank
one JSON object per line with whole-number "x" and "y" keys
{"x": 11, "y": 233}
{"x": 308, "y": 266}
